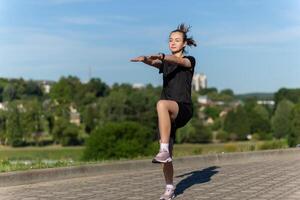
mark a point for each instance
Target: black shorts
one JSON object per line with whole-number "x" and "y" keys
{"x": 185, "y": 113}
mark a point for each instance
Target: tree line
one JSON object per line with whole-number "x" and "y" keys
{"x": 31, "y": 116}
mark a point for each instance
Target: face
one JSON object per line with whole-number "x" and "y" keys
{"x": 176, "y": 43}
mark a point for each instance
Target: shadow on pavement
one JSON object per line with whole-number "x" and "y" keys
{"x": 195, "y": 177}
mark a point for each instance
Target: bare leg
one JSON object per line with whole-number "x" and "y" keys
{"x": 168, "y": 172}
{"x": 167, "y": 110}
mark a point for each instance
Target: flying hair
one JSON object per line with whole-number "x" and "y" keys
{"x": 184, "y": 29}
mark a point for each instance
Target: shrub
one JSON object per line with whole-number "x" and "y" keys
{"x": 119, "y": 140}
{"x": 194, "y": 132}
{"x": 230, "y": 147}
{"x": 274, "y": 144}
{"x": 71, "y": 136}
{"x": 222, "y": 136}
{"x": 262, "y": 136}
{"x": 18, "y": 143}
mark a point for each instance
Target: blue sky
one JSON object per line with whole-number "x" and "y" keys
{"x": 245, "y": 45}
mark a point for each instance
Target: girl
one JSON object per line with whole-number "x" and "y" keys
{"x": 175, "y": 107}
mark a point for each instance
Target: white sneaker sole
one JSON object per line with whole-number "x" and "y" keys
{"x": 168, "y": 198}
{"x": 162, "y": 161}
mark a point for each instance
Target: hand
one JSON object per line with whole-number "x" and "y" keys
{"x": 138, "y": 59}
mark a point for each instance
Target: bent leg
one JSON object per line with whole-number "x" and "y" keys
{"x": 167, "y": 111}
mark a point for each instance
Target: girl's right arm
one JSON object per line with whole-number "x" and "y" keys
{"x": 149, "y": 61}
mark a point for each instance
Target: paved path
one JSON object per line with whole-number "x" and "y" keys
{"x": 268, "y": 179}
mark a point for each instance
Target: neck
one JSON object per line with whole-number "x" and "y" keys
{"x": 178, "y": 54}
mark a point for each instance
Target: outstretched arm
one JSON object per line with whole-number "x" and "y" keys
{"x": 148, "y": 60}
{"x": 173, "y": 59}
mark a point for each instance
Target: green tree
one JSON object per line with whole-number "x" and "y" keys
{"x": 294, "y": 134}
{"x": 15, "y": 130}
{"x": 66, "y": 133}
{"x": 206, "y": 91}
{"x": 90, "y": 117}
{"x": 65, "y": 91}
{"x": 292, "y": 95}
{"x": 237, "y": 124}
{"x": 228, "y": 92}
{"x": 280, "y": 122}
{"x": 9, "y": 92}
{"x": 125, "y": 103}
{"x": 32, "y": 120}
{"x": 3, "y": 131}
{"x": 33, "y": 89}
{"x": 259, "y": 121}
{"x": 212, "y": 111}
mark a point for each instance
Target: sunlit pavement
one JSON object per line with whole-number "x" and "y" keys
{"x": 277, "y": 178}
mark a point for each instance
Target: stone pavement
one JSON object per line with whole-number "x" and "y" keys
{"x": 276, "y": 178}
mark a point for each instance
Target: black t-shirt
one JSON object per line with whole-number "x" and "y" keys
{"x": 177, "y": 81}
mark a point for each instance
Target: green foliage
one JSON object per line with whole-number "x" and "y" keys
{"x": 66, "y": 89}
{"x": 292, "y": 95}
{"x": 262, "y": 136}
{"x": 70, "y": 136}
{"x": 14, "y": 128}
{"x": 206, "y": 91}
{"x": 194, "y": 132}
{"x": 228, "y": 92}
{"x": 124, "y": 103}
{"x": 231, "y": 147}
{"x": 259, "y": 119}
{"x": 33, "y": 89}
{"x": 223, "y": 136}
{"x": 10, "y": 92}
{"x": 66, "y": 133}
{"x": 281, "y": 121}
{"x": 237, "y": 124}
{"x": 294, "y": 135}
{"x": 212, "y": 111}
{"x": 116, "y": 140}
{"x": 274, "y": 144}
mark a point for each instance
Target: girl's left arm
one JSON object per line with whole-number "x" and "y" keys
{"x": 185, "y": 62}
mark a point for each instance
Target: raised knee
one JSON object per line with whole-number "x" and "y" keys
{"x": 161, "y": 104}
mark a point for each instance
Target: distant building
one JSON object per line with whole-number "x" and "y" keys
{"x": 46, "y": 86}
{"x": 203, "y": 99}
{"x": 199, "y": 82}
{"x": 138, "y": 85}
{"x": 3, "y": 106}
{"x": 266, "y": 102}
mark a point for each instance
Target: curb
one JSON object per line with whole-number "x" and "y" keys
{"x": 51, "y": 174}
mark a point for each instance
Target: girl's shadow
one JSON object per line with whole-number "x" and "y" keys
{"x": 196, "y": 177}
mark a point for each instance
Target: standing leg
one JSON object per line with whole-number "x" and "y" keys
{"x": 167, "y": 112}
{"x": 168, "y": 170}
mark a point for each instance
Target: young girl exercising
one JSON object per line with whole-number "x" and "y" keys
{"x": 175, "y": 107}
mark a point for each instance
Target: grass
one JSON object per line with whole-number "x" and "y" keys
{"x": 12, "y": 159}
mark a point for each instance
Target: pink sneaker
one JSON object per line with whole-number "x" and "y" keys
{"x": 168, "y": 194}
{"x": 162, "y": 157}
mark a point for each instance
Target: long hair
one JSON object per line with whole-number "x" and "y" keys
{"x": 184, "y": 29}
